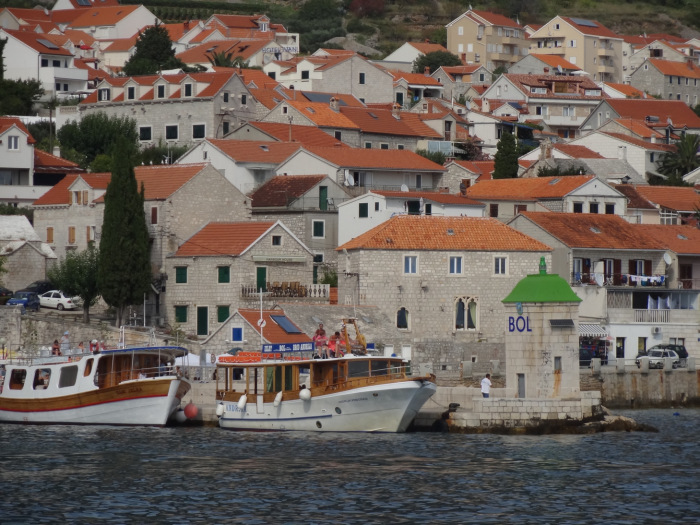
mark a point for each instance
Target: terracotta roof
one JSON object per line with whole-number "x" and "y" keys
{"x": 680, "y": 69}
{"x": 282, "y": 190}
{"x": 103, "y": 16}
{"x": 46, "y": 162}
{"x": 415, "y": 78}
{"x": 383, "y": 122}
{"x": 59, "y": 194}
{"x": 255, "y": 78}
{"x": 321, "y": 114}
{"x": 7, "y": 122}
{"x": 223, "y": 238}
{"x": 639, "y": 142}
{"x": 678, "y": 198}
{"x": 427, "y": 47}
{"x": 527, "y": 189}
{"x": 345, "y": 99}
{"x": 386, "y": 159}
{"x": 484, "y": 168}
{"x": 566, "y": 86}
{"x": 239, "y": 48}
{"x": 442, "y": 198}
{"x": 577, "y": 152}
{"x": 306, "y": 135}
{"x": 160, "y": 182}
{"x": 639, "y": 128}
{"x": 677, "y": 110}
{"x": 119, "y": 45}
{"x": 684, "y": 240}
{"x": 269, "y": 98}
{"x": 31, "y": 40}
{"x": 634, "y": 199}
{"x": 627, "y": 90}
{"x": 597, "y": 30}
{"x": 460, "y": 70}
{"x": 425, "y": 232}
{"x": 555, "y": 60}
{"x": 256, "y": 151}
{"x": 589, "y": 230}
{"x": 272, "y": 332}
{"x": 496, "y": 19}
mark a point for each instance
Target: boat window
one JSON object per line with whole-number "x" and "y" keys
{"x": 41, "y": 378}
{"x": 289, "y": 378}
{"x": 69, "y": 374}
{"x": 88, "y": 367}
{"x": 380, "y": 368}
{"x": 358, "y": 368}
{"x": 19, "y": 375}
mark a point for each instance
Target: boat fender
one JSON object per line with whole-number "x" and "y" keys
{"x": 242, "y": 402}
{"x": 305, "y": 394}
{"x": 191, "y": 411}
{"x": 180, "y": 416}
{"x": 220, "y": 409}
{"x": 278, "y": 399}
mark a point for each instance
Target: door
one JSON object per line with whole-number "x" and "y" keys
{"x": 521, "y": 386}
{"x": 323, "y": 198}
{"x": 261, "y": 278}
{"x": 685, "y": 272}
{"x": 620, "y": 348}
{"x": 202, "y": 320}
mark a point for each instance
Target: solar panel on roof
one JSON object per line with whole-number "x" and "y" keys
{"x": 584, "y": 22}
{"x": 322, "y": 97}
{"x": 46, "y": 43}
{"x": 285, "y": 324}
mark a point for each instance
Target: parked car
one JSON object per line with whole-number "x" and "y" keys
{"x": 56, "y": 299}
{"x": 39, "y": 287}
{"x": 28, "y": 301}
{"x": 679, "y": 349}
{"x": 5, "y": 295}
{"x": 657, "y": 356}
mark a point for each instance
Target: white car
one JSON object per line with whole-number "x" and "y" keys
{"x": 56, "y": 299}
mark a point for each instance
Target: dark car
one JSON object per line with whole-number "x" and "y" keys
{"x": 38, "y": 287}
{"x": 5, "y": 295}
{"x": 27, "y": 300}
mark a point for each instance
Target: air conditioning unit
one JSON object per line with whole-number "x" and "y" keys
{"x": 656, "y": 330}
{"x": 624, "y": 53}
{"x": 477, "y": 57}
{"x": 624, "y": 68}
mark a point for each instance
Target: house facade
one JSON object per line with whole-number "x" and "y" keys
{"x": 669, "y": 80}
{"x": 26, "y": 257}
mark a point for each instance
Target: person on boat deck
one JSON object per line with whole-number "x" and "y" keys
{"x": 320, "y": 336}
{"x": 65, "y": 343}
{"x": 55, "y": 348}
{"x": 93, "y": 346}
{"x": 81, "y": 347}
{"x": 162, "y": 369}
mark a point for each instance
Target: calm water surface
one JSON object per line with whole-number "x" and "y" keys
{"x": 208, "y": 475}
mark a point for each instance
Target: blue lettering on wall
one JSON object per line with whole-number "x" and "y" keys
{"x": 519, "y": 324}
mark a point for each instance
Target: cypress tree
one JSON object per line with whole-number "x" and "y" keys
{"x": 506, "y": 158}
{"x": 124, "y": 267}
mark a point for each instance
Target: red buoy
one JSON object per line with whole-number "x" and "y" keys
{"x": 191, "y": 411}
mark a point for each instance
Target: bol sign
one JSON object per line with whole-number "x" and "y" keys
{"x": 519, "y": 324}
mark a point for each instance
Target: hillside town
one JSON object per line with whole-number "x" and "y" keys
{"x": 307, "y": 186}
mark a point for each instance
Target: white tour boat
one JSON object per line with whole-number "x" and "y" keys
{"x": 352, "y": 393}
{"x": 123, "y": 386}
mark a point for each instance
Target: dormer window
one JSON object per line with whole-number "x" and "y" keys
{"x": 103, "y": 94}
{"x": 188, "y": 90}
{"x": 13, "y": 142}
{"x": 131, "y": 93}
{"x": 305, "y": 74}
{"x": 160, "y": 90}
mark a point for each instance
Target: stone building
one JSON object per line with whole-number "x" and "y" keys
{"x": 669, "y": 80}
{"x": 441, "y": 280}
{"x": 223, "y": 266}
{"x": 26, "y": 256}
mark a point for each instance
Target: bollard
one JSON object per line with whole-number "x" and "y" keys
{"x": 644, "y": 364}
{"x": 692, "y": 366}
{"x": 595, "y": 365}
{"x": 467, "y": 369}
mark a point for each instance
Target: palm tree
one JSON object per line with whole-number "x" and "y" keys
{"x": 684, "y": 159}
{"x": 224, "y": 59}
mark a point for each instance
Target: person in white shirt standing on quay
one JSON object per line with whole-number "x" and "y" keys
{"x": 486, "y": 385}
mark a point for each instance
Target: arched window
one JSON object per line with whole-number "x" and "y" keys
{"x": 402, "y": 319}
{"x": 466, "y": 313}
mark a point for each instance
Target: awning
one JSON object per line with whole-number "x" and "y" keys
{"x": 591, "y": 330}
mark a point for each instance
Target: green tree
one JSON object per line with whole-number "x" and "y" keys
{"x": 435, "y": 60}
{"x": 101, "y": 164}
{"x": 124, "y": 273}
{"x": 3, "y": 270}
{"x": 77, "y": 275}
{"x": 506, "y": 158}
{"x": 696, "y": 109}
{"x": 498, "y": 72}
{"x": 558, "y": 171}
{"x": 223, "y": 59}
{"x": 154, "y": 52}
{"x": 17, "y": 97}
{"x": 684, "y": 159}
{"x": 95, "y": 134}
{"x": 436, "y": 156}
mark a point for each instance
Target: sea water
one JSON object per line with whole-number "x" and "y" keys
{"x": 72, "y": 474}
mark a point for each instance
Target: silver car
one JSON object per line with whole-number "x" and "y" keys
{"x": 657, "y": 356}
{"x": 56, "y": 299}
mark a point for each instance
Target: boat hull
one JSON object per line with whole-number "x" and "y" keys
{"x": 389, "y": 407}
{"x": 146, "y": 402}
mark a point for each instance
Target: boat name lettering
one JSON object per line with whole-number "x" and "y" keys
{"x": 353, "y": 400}
{"x": 289, "y": 347}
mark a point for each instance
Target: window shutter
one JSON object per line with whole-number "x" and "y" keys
{"x": 632, "y": 267}
{"x": 647, "y": 266}
{"x": 617, "y": 270}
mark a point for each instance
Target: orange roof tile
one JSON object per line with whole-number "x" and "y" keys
{"x": 7, "y": 122}
{"x": 566, "y": 86}
{"x": 442, "y": 198}
{"x": 597, "y": 30}
{"x": 269, "y": 98}
{"x": 160, "y": 182}
{"x": 45, "y": 161}
{"x": 31, "y": 40}
{"x": 223, "y": 238}
{"x": 383, "y": 122}
{"x": 256, "y": 150}
{"x": 122, "y": 44}
{"x": 639, "y": 142}
{"x": 424, "y": 232}
{"x": 306, "y": 135}
{"x": 677, "y": 110}
{"x": 627, "y": 90}
{"x": 427, "y": 47}
{"x": 589, "y": 230}
{"x": 496, "y": 19}
{"x": 680, "y": 69}
{"x": 527, "y": 189}
{"x": 282, "y": 190}
{"x": 639, "y": 128}
{"x": 684, "y": 240}
{"x": 484, "y": 168}
{"x": 238, "y": 48}
{"x": 344, "y": 99}
{"x": 577, "y": 152}
{"x": 678, "y": 198}
{"x": 555, "y": 60}
{"x": 395, "y": 160}
{"x": 103, "y": 16}
{"x": 60, "y": 194}
{"x": 272, "y": 331}
{"x": 634, "y": 199}
{"x": 416, "y": 78}
{"x": 321, "y": 114}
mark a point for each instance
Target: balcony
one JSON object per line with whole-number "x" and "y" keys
{"x": 606, "y": 69}
{"x": 560, "y": 120}
{"x": 604, "y": 52}
{"x": 295, "y": 289}
{"x": 620, "y": 280}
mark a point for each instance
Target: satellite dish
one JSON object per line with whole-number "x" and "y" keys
{"x": 667, "y": 258}
{"x": 599, "y": 280}
{"x": 404, "y": 187}
{"x": 559, "y": 69}
{"x": 349, "y": 179}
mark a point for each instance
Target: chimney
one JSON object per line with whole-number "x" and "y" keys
{"x": 334, "y": 104}
{"x": 546, "y": 71}
{"x": 396, "y": 110}
{"x": 622, "y": 152}
{"x": 653, "y": 139}
{"x": 464, "y": 58}
{"x": 463, "y": 186}
{"x": 426, "y": 71}
{"x": 187, "y": 25}
{"x": 427, "y": 41}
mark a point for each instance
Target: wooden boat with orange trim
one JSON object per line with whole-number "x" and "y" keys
{"x": 123, "y": 386}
